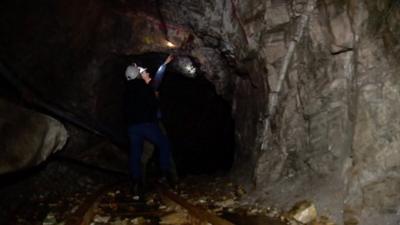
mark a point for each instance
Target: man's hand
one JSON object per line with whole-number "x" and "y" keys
{"x": 169, "y": 59}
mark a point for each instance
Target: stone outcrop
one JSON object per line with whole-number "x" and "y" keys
{"x": 27, "y": 138}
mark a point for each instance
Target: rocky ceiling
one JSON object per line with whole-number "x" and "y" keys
{"x": 313, "y": 85}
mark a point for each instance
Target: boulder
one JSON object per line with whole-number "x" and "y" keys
{"x": 303, "y": 212}
{"x": 27, "y": 138}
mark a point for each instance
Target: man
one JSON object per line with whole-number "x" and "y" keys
{"x": 142, "y": 114}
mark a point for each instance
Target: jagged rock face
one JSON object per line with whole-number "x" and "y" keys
{"x": 333, "y": 137}
{"x": 27, "y": 137}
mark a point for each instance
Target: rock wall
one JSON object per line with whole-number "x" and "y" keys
{"x": 374, "y": 176}
{"x": 333, "y": 139}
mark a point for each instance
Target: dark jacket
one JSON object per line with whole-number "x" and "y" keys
{"x": 141, "y": 104}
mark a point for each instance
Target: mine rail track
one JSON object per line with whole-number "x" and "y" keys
{"x": 115, "y": 201}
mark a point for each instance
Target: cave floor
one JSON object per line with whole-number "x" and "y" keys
{"x": 193, "y": 201}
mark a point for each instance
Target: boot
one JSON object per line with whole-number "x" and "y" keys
{"x": 170, "y": 178}
{"x": 137, "y": 189}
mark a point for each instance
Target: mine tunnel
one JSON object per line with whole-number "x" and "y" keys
{"x": 266, "y": 112}
{"x": 197, "y": 120}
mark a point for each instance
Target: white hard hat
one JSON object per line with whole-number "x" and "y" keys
{"x": 141, "y": 69}
{"x": 132, "y": 71}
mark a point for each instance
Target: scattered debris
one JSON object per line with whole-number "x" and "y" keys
{"x": 323, "y": 221}
{"x": 73, "y": 210}
{"x": 303, "y": 212}
{"x": 177, "y": 218}
{"x": 139, "y": 221}
{"x": 101, "y": 219}
{"x": 50, "y": 219}
{"x": 216, "y": 196}
{"x": 119, "y": 221}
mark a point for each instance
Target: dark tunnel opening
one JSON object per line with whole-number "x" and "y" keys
{"x": 197, "y": 120}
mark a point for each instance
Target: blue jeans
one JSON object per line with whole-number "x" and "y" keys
{"x": 150, "y": 131}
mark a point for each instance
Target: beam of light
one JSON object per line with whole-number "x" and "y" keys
{"x": 170, "y": 44}
{"x": 190, "y": 69}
